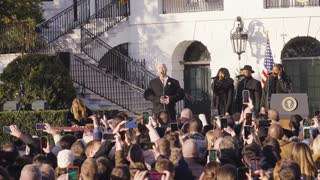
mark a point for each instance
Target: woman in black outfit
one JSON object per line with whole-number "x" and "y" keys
{"x": 222, "y": 96}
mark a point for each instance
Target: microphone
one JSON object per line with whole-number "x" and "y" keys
{"x": 216, "y": 77}
{"x": 269, "y": 73}
{"x": 240, "y": 76}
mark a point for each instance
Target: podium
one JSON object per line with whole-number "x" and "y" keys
{"x": 290, "y": 104}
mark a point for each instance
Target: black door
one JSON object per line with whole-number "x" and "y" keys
{"x": 197, "y": 84}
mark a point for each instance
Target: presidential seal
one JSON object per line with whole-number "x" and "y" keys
{"x": 289, "y": 104}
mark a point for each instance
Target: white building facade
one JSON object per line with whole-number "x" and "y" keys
{"x": 162, "y": 31}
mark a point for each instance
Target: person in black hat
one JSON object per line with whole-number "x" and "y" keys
{"x": 222, "y": 92}
{"x": 251, "y": 84}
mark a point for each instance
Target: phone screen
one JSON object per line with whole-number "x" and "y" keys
{"x": 212, "y": 155}
{"x": 224, "y": 123}
{"x": 6, "y": 129}
{"x": 255, "y": 165}
{"x": 174, "y": 127}
{"x": 73, "y": 173}
{"x": 306, "y": 132}
{"x": 154, "y": 175}
{"x": 131, "y": 124}
{"x": 40, "y": 126}
{"x": 249, "y": 119}
{"x": 145, "y": 116}
{"x": 247, "y": 131}
{"x": 215, "y": 113}
{"x": 43, "y": 141}
{"x": 245, "y": 96}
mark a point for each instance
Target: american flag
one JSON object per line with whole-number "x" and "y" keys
{"x": 268, "y": 63}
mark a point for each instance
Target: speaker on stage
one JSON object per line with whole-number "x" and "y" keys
{"x": 40, "y": 105}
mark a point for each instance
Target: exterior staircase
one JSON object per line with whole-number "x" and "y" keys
{"x": 103, "y": 76}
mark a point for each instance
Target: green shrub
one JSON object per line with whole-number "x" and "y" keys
{"x": 27, "y": 120}
{"x": 44, "y": 78}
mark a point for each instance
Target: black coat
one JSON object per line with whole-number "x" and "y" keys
{"x": 156, "y": 90}
{"x": 275, "y": 86}
{"x": 222, "y": 95}
{"x": 255, "y": 89}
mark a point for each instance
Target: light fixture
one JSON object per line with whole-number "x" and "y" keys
{"x": 239, "y": 37}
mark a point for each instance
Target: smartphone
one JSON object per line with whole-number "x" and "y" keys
{"x": 245, "y": 96}
{"x": 255, "y": 165}
{"x": 131, "y": 124}
{"x": 43, "y": 141}
{"x": 174, "y": 127}
{"x": 73, "y": 172}
{"x": 247, "y": 131}
{"x": 145, "y": 116}
{"x": 249, "y": 119}
{"x": 6, "y": 129}
{"x": 215, "y": 113}
{"x": 212, "y": 155}
{"x": 154, "y": 175}
{"x": 306, "y": 132}
{"x": 107, "y": 136}
{"x": 40, "y": 126}
{"x": 224, "y": 123}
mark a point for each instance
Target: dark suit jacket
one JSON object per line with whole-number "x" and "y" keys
{"x": 282, "y": 86}
{"x": 254, "y": 86}
{"x": 222, "y": 95}
{"x": 156, "y": 90}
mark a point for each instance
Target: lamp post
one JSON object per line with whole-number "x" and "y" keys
{"x": 239, "y": 37}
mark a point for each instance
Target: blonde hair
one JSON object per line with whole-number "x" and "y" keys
{"x": 209, "y": 137}
{"x": 78, "y": 109}
{"x": 316, "y": 145}
{"x": 301, "y": 154}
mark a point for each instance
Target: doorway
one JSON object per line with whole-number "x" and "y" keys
{"x": 197, "y": 76}
{"x": 301, "y": 60}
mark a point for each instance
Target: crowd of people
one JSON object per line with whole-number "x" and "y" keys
{"x": 153, "y": 149}
{"x": 242, "y": 139}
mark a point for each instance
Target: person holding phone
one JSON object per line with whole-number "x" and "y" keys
{"x": 252, "y": 85}
{"x": 222, "y": 92}
{"x": 164, "y": 92}
{"x": 277, "y": 83}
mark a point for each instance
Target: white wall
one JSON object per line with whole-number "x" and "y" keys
{"x": 163, "y": 38}
{"x": 51, "y": 8}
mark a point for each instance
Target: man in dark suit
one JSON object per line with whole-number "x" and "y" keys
{"x": 251, "y": 84}
{"x": 164, "y": 92}
{"x": 277, "y": 83}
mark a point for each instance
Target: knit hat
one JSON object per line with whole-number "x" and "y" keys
{"x": 65, "y": 158}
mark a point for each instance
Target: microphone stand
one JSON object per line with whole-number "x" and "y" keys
{"x": 268, "y": 92}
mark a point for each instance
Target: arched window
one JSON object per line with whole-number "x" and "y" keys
{"x": 301, "y": 60}
{"x": 304, "y": 46}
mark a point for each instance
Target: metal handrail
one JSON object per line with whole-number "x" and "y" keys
{"x": 115, "y": 63}
{"x": 180, "y": 6}
{"x": 117, "y": 91}
{"x": 65, "y": 21}
{"x": 290, "y": 3}
{"x": 106, "y": 17}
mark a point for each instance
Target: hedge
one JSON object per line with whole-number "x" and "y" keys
{"x": 27, "y": 120}
{"x": 44, "y": 78}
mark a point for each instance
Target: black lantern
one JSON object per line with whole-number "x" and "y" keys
{"x": 238, "y": 37}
